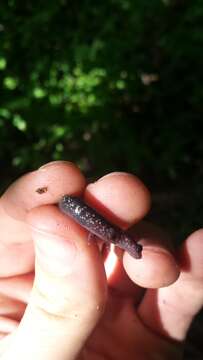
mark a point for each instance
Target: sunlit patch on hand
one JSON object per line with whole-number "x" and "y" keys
{"x": 110, "y": 261}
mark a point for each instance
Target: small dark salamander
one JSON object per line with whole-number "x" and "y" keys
{"x": 91, "y": 220}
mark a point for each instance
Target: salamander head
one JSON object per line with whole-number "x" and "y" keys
{"x": 127, "y": 243}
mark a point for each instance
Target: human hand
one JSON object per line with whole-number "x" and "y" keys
{"x": 56, "y": 302}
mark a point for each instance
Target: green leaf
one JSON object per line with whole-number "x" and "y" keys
{"x": 3, "y": 63}
{"x": 39, "y": 93}
{"x": 10, "y": 83}
{"x": 19, "y": 122}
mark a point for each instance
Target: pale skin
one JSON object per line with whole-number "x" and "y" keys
{"x": 55, "y": 300}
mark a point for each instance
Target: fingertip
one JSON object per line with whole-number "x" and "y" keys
{"x": 124, "y": 194}
{"x": 49, "y": 219}
{"x": 191, "y": 254}
{"x": 56, "y": 234}
{"x": 156, "y": 268}
{"x": 196, "y": 238}
{"x": 66, "y": 172}
{"x": 43, "y": 186}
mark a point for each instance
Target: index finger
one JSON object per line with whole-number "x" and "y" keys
{"x": 40, "y": 187}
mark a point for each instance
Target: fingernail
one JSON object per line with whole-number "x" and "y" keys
{"x": 115, "y": 173}
{"x": 54, "y": 253}
{"x": 57, "y": 162}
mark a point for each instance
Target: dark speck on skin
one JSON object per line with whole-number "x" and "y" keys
{"x": 42, "y": 190}
{"x": 91, "y": 220}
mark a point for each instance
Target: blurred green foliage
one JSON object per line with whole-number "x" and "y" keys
{"x": 110, "y": 85}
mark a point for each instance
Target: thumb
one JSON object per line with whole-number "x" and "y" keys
{"x": 69, "y": 290}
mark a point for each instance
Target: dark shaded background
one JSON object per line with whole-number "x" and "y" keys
{"x": 110, "y": 85}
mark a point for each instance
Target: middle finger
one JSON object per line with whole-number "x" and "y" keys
{"x": 124, "y": 200}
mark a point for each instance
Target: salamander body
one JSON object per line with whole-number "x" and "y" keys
{"x": 91, "y": 220}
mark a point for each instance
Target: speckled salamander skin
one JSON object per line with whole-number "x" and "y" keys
{"x": 91, "y": 220}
